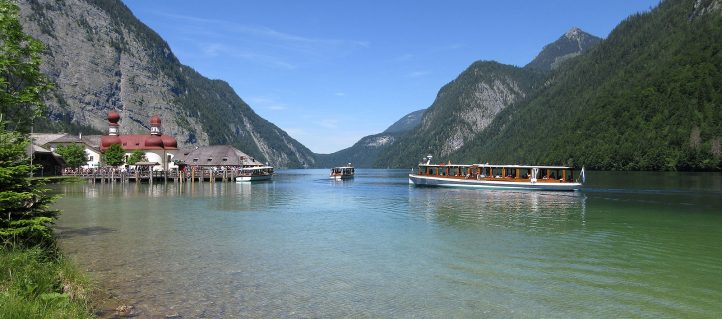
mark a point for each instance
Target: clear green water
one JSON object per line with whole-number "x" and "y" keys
{"x": 630, "y": 245}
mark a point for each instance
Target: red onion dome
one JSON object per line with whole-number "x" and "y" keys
{"x": 155, "y": 120}
{"x": 113, "y": 117}
{"x": 169, "y": 141}
{"x": 154, "y": 141}
{"x": 108, "y": 140}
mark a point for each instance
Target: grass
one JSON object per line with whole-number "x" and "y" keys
{"x": 38, "y": 284}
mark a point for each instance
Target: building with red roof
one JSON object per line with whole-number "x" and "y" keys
{"x": 158, "y": 147}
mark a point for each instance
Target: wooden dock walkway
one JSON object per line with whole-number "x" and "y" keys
{"x": 115, "y": 176}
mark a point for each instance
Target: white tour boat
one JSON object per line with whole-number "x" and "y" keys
{"x": 342, "y": 172}
{"x": 528, "y": 177}
{"x": 255, "y": 173}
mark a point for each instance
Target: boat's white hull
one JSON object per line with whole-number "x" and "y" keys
{"x": 253, "y": 178}
{"x": 419, "y": 180}
{"x": 341, "y": 177}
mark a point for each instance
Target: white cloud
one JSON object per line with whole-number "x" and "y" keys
{"x": 260, "y": 43}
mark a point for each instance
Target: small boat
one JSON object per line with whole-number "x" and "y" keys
{"x": 342, "y": 172}
{"x": 255, "y": 173}
{"x": 527, "y": 177}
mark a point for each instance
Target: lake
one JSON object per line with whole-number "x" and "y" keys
{"x": 633, "y": 244}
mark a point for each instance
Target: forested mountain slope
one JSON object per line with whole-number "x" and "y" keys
{"x": 649, "y": 97}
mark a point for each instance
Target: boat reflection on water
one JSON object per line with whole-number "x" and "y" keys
{"x": 499, "y": 208}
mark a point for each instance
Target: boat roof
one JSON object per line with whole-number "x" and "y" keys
{"x": 342, "y": 167}
{"x": 256, "y": 167}
{"x": 497, "y": 166}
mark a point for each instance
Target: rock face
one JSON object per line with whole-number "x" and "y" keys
{"x": 702, "y": 7}
{"x": 102, "y": 58}
{"x": 572, "y": 43}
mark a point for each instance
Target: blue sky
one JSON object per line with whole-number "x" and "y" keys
{"x": 331, "y": 72}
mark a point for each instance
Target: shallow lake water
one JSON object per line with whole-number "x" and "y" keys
{"x": 628, "y": 245}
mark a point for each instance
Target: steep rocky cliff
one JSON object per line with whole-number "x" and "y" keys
{"x": 102, "y": 58}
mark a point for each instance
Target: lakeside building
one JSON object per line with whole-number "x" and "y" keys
{"x": 221, "y": 156}
{"x": 161, "y": 151}
{"x": 51, "y": 141}
{"x": 158, "y": 147}
{"x": 48, "y": 163}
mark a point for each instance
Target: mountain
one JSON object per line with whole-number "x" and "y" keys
{"x": 462, "y": 109}
{"x": 101, "y": 57}
{"x": 406, "y": 123}
{"x": 574, "y": 42}
{"x": 365, "y": 152}
{"x": 649, "y": 97}
{"x": 362, "y": 154}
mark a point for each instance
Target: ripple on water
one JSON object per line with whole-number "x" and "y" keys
{"x": 305, "y": 246}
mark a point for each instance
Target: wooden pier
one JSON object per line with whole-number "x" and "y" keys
{"x": 176, "y": 176}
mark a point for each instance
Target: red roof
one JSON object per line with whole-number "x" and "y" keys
{"x": 139, "y": 142}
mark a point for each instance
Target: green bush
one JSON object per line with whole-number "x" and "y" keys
{"x": 73, "y": 154}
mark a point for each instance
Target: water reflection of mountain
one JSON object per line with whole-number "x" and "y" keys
{"x": 503, "y": 209}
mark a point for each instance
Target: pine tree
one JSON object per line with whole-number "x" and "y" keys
{"x": 24, "y": 214}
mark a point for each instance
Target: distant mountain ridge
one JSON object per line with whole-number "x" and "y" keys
{"x": 574, "y": 42}
{"x": 365, "y": 152}
{"x": 462, "y": 109}
{"x": 102, "y": 58}
{"x": 406, "y": 123}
